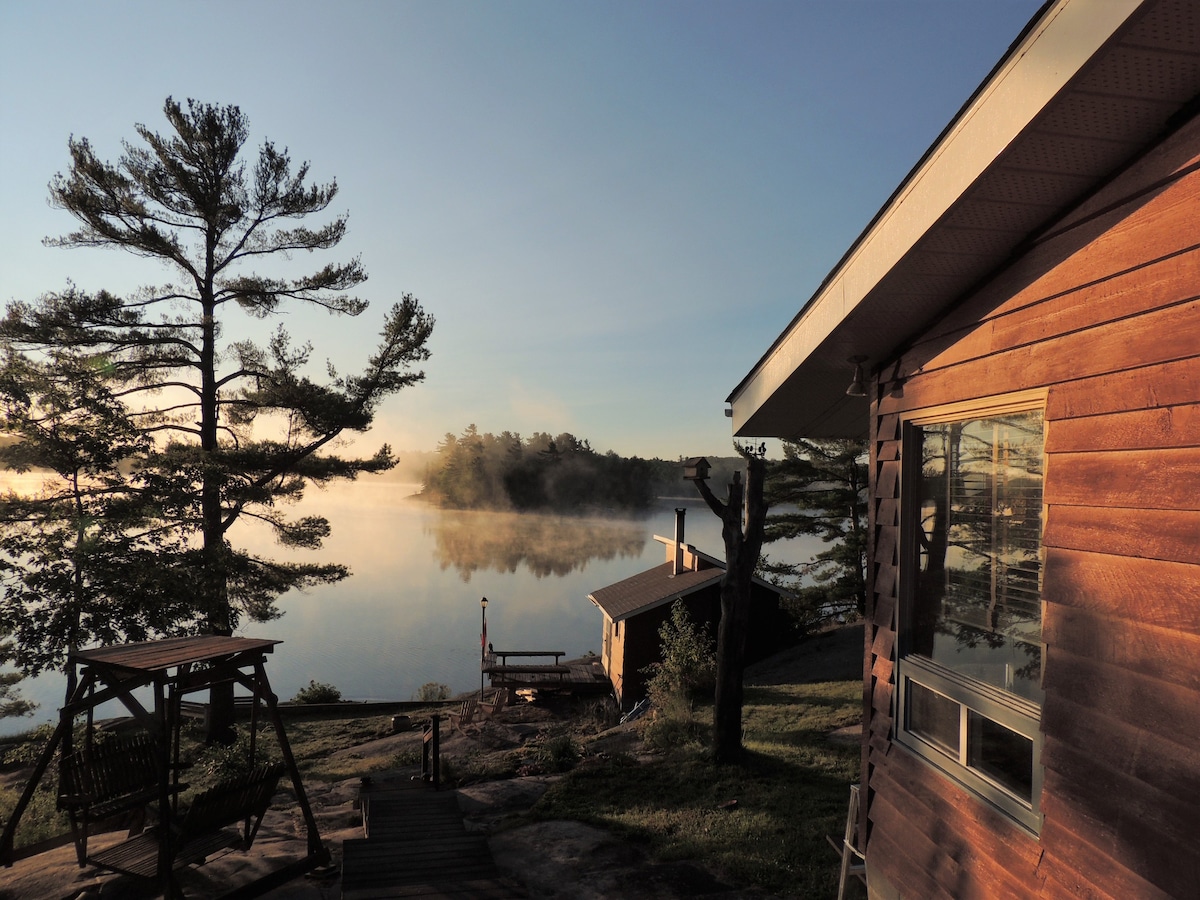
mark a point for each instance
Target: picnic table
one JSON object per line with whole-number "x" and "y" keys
{"x": 531, "y": 654}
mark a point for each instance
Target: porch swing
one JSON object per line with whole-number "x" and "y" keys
{"x": 116, "y": 778}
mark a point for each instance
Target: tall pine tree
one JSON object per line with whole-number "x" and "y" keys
{"x": 238, "y": 427}
{"x": 819, "y": 489}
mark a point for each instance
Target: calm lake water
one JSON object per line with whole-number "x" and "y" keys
{"x": 410, "y": 612}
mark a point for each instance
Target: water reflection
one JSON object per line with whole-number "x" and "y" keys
{"x": 409, "y": 613}
{"x": 545, "y": 545}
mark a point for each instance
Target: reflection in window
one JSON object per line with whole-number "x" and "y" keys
{"x": 1002, "y": 755}
{"x": 978, "y": 604}
{"x": 971, "y": 623}
{"x": 934, "y": 717}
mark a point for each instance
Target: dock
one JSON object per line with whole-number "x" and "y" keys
{"x": 416, "y": 844}
{"x": 544, "y": 670}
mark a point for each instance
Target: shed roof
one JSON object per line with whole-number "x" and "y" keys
{"x": 1083, "y": 91}
{"x": 651, "y": 588}
{"x": 169, "y": 653}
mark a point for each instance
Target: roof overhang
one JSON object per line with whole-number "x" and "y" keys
{"x": 1084, "y": 90}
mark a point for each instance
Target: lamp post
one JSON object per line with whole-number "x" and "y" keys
{"x": 482, "y": 643}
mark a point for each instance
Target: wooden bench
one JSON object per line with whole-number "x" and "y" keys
{"x": 109, "y": 781}
{"x": 204, "y": 828}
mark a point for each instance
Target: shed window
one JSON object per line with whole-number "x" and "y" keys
{"x": 970, "y": 673}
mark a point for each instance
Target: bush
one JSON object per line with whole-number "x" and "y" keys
{"x": 689, "y": 663}
{"x": 217, "y": 762}
{"x": 687, "y": 670}
{"x": 316, "y": 692}
{"x": 432, "y": 691}
{"x": 558, "y": 754}
{"x": 673, "y": 730}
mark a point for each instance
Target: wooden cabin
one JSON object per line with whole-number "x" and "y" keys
{"x": 635, "y": 608}
{"x": 1026, "y": 309}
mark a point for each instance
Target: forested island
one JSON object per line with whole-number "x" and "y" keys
{"x": 562, "y": 473}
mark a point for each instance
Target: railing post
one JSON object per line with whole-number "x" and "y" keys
{"x": 431, "y": 752}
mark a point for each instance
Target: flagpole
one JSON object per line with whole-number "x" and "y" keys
{"x": 482, "y": 644}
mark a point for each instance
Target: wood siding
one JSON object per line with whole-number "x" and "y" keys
{"x": 1104, "y": 313}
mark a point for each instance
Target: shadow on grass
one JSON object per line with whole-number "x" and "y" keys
{"x": 762, "y": 822}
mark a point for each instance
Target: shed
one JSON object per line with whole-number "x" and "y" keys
{"x": 636, "y": 607}
{"x": 1025, "y": 309}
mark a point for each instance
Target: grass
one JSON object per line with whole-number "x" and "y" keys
{"x": 791, "y": 791}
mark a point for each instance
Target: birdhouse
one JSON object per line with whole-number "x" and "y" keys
{"x": 696, "y": 469}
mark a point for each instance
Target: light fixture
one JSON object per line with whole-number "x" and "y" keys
{"x": 857, "y": 388}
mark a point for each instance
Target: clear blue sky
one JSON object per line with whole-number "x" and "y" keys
{"x": 611, "y": 208}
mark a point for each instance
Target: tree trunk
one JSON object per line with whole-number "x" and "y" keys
{"x": 743, "y": 541}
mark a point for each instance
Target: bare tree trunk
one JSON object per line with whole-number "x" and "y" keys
{"x": 743, "y": 517}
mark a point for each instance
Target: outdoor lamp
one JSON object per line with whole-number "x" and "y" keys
{"x": 857, "y": 389}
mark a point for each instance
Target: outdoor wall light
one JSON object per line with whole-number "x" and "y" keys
{"x": 857, "y": 388}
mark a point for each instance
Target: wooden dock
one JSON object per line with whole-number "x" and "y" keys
{"x": 579, "y": 677}
{"x": 416, "y": 845}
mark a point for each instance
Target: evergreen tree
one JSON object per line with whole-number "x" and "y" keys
{"x": 188, "y": 200}
{"x": 822, "y": 487}
{"x": 79, "y": 557}
{"x": 11, "y": 701}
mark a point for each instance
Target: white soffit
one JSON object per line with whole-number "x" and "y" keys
{"x": 1062, "y": 41}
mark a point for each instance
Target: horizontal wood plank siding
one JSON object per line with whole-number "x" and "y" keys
{"x": 1169, "y": 535}
{"x": 1104, "y": 316}
{"x": 977, "y": 851}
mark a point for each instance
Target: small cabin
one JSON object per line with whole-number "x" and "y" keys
{"x": 1024, "y": 311}
{"x": 635, "y": 608}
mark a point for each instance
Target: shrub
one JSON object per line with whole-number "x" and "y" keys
{"x": 217, "y": 762}
{"x": 687, "y": 670}
{"x": 558, "y": 754}
{"x": 673, "y": 730}
{"x": 316, "y": 692}
{"x": 689, "y": 663}
{"x": 432, "y": 691}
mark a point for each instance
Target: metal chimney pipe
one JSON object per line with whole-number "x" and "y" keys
{"x": 680, "y": 512}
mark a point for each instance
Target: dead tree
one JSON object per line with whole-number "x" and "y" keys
{"x": 742, "y": 516}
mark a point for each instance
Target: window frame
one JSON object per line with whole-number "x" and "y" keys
{"x": 1004, "y": 708}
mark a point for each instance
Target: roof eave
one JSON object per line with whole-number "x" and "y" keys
{"x": 798, "y": 388}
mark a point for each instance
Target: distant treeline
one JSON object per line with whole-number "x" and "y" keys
{"x": 543, "y": 472}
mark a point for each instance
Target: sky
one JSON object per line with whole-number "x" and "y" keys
{"x": 610, "y": 208}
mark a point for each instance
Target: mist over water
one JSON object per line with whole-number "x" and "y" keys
{"x": 410, "y": 612}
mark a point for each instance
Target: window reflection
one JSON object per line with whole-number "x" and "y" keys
{"x": 977, "y": 608}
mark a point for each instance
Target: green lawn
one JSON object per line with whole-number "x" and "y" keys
{"x": 791, "y": 791}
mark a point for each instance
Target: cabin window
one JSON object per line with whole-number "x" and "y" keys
{"x": 970, "y": 673}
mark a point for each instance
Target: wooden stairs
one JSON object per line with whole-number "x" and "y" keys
{"x": 417, "y": 845}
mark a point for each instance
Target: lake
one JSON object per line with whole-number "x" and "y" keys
{"x": 410, "y": 612}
